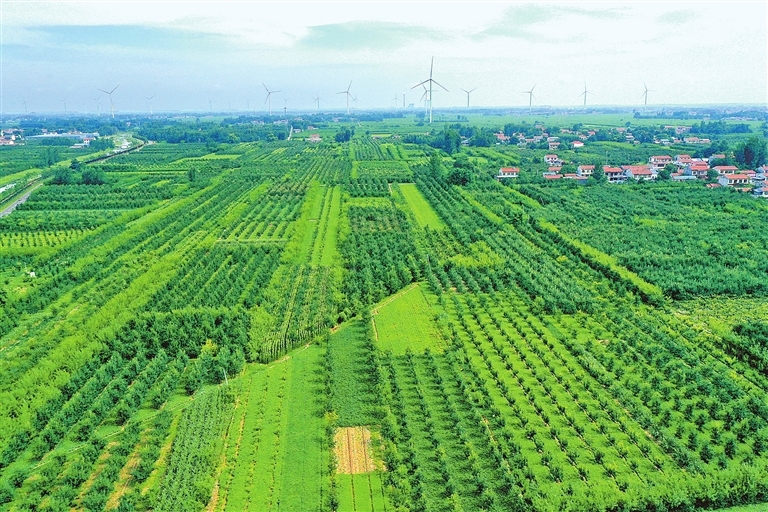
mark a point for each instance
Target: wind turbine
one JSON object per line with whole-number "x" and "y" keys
{"x": 111, "y": 104}
{"x": 247, "y": 105}
{"x": 64, "y": 101}
{"x": 210, "y": 105}
{"x": 348, "y": 95}
{"x": 645, "y": 94}
{"x": 25, "y": 106}
{"x": 585, "y": 94}
{"x": 466, "y": 91}
{"x": 403, "y": 99}
{"x": 530, "y": 97}
{"x": 317, "y": 101}
{"x": 431, "y": 81}
{"x": 396, "y": 99}
{"x": 269, "y": 97}
{"x": 149, "y": 103}
{"x": 285, "y": 106}
{"x": 98, "y": 107}
{"x": 354, "y": 100}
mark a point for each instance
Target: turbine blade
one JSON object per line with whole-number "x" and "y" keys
{"x": 431, "y": 66}
{"x": 473, "y": 90}
{"x": 421, "y": 83}
{"x": 349, "y": 86}
{"x": 446, "y": 90}
{"x": 113, "y": 90}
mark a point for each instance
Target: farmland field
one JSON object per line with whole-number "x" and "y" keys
{"x": 347, "y": 326}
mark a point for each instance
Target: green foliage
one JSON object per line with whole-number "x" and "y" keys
{"x": 649, "y": 232}
{"x": 101, "y": 144}
{"x": 752, "y": 153}
{"x": 62, "y": 176}
{"x": 344, "y": 134}
{"x": 666, "y": 173}
{"x": 189, "y": 477}
{"x": 598, "y": 175}
{"x": 93, "y": 177}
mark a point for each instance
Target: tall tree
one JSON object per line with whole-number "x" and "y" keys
{"x": 752, "y": 152}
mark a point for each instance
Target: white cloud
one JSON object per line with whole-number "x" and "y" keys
{"x": 198, "y": 48}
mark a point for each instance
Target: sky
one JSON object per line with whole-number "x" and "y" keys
{"x": 196, "y": 56}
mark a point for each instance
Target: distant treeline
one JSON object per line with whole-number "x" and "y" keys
{"x": 213, "y": 132}
{"x": 719, "y": 128}
{"x": 56, "y": 125}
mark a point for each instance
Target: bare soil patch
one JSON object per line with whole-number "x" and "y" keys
{"x": 353, "y": 450}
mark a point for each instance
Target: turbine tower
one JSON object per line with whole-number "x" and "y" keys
{"x": 348, "y": 95}
{"x": 530, "y": 98}
{"x": 269, "y": 97}
{"x": 64, "y": 101}
{"x": 466, "y": 91}
{"x": 396, "y": 99}
{"x": 98, "y": 106}
{"x": 25, "y": 106}
{"x": 431, "y": 81}
{"x": 111, "y": 104}
{"x": 149, "y": 103}
{"x": 285, "y": 106}
{"x": 585, "y": 94}
{"x": 247, "y": 104}
{"x": 354, "y": 100}
{"x": 317, "y": 101}
{"x": 425, "y": 97}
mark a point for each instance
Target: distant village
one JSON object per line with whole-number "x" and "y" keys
{"x": 686, "y": 167}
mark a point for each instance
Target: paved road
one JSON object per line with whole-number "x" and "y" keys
{"x": 19, "y": 201}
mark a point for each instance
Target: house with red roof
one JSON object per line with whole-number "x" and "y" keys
{"x": 553, "y": 160}
{"x": 696, "y": 169}
{"x": 615, "y": 174}
{"x": 552, "y": 176}
{"x": 726, "y": 169}
{"x": 585, "y": 170}
{"x": 657, "y": 162}
{"x": 638, "y": 172}
{"x": 554, "y": 170}
{"x": 577, "y": 144}
{"x": 733, "y": 180}
{"x": 508, "y": 172}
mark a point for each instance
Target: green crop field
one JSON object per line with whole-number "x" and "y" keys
{"x": 424, "y": 214}
{"x": 379, "y": 325}
{"x": 407, "y": 321}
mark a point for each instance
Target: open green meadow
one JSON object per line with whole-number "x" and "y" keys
{"x": 424, "y": 214}
{"x": 407, "y": 321}
{"x": 377, "y": 325}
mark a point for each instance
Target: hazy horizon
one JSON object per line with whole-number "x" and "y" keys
{"x": 189, "y": 54}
